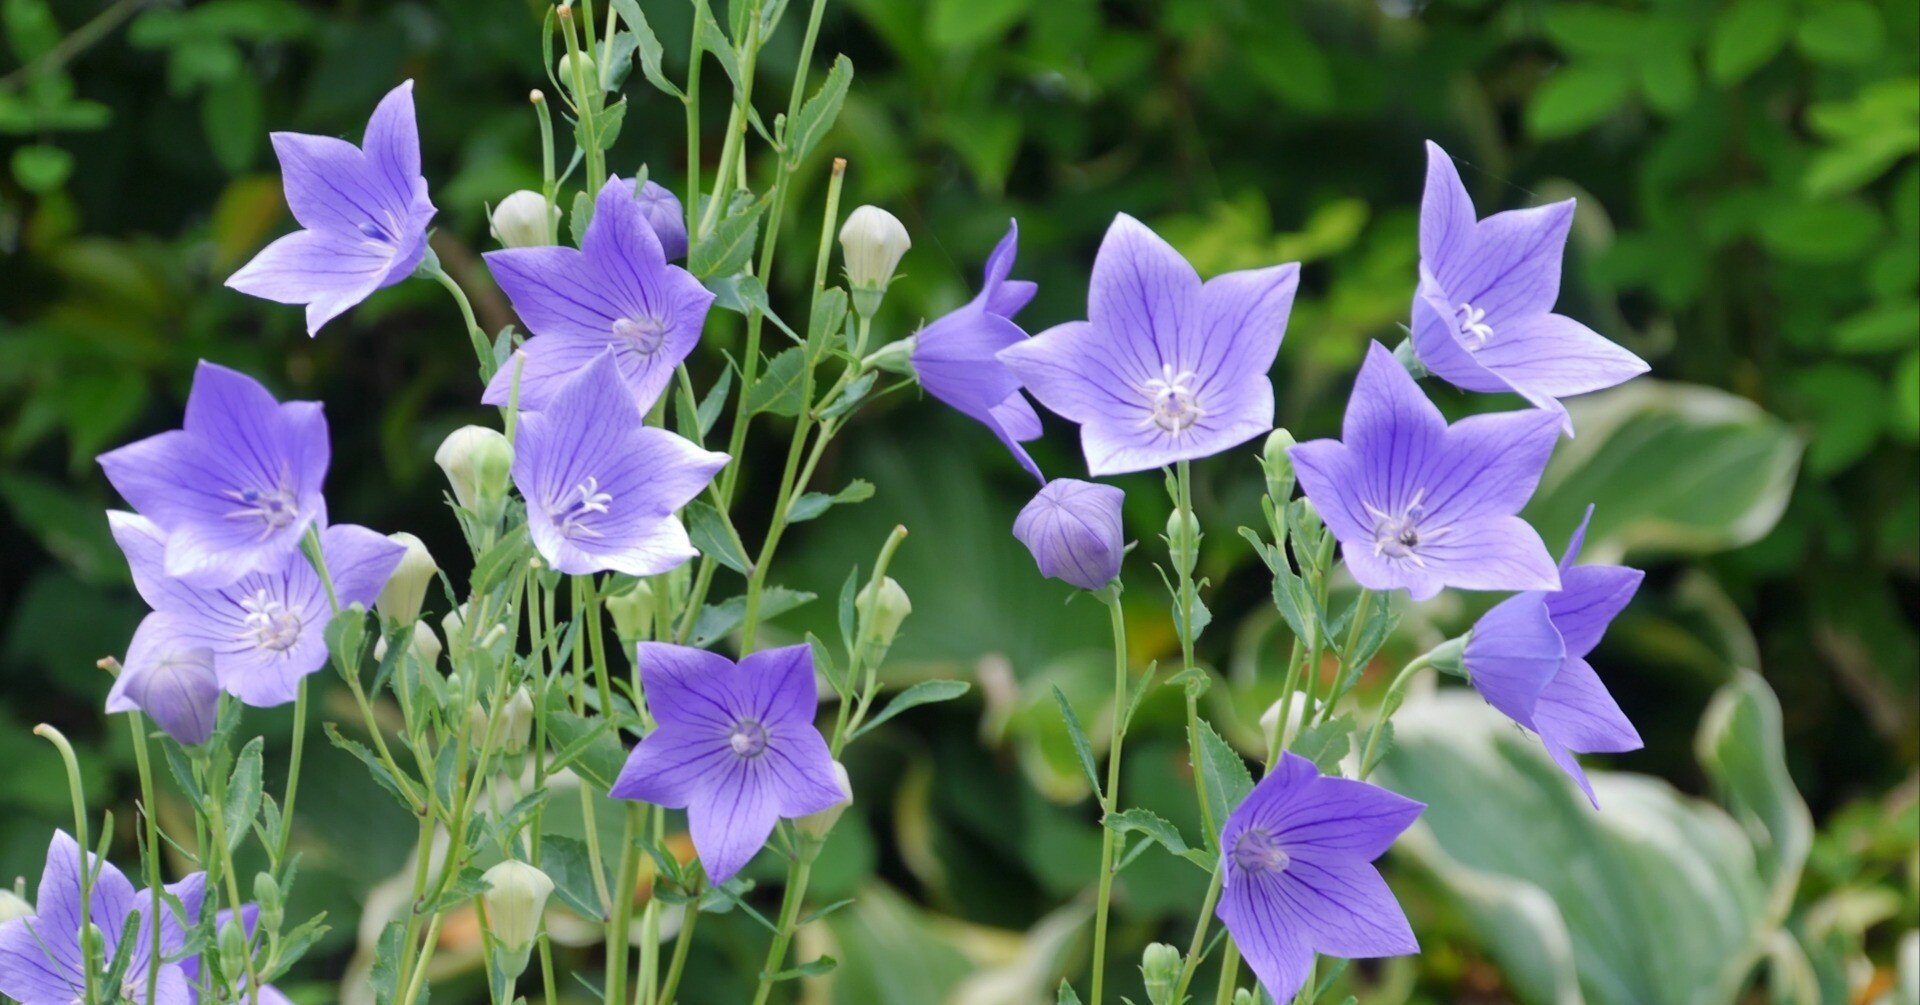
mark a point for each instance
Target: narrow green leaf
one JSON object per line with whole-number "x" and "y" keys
{"x": 812, "y": 504}
{"x": 243, "y": 793}
{"x": 1224, "y": 776}
{"x": 1080, "y": 745}
{"x": 713, "y": 535}
{"x": 780, "y": 389}
{"x": 817, "y": 116}
{"x": 926, "y": 692}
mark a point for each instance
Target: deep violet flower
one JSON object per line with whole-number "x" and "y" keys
{"x": 616, "y": 291}
{"x": 1073, "y": 529}
{"x": 364, "y": 209}
{"x": 268, "y": 629}
{"x": 666, "y": 216}
{"x": 40, "y": 956}
{"x": 1527, "y": 657}
{"x": 736, "y": 747}
{"x": 601, "y": 485}
{"x": 954, "y": 357}
{"x": 1483, "y": 316}
{"x": 236, "y": 486}
{"x": 1419, "y": 505}
{"x": 1165, "y": 368}
{"x": 1299, "y": 878}
{"x": 169, "y": 676}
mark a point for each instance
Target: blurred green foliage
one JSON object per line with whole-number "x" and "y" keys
{"x": 1749, "y": 222}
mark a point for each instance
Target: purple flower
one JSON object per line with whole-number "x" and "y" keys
{"x": 1073, "y": 529}
{"x": 236, "y": 487}
{"x": 666, "y": 216}
{"x": 1299, "y": 879}
{"x": 1528, "y": 657}
{"x": 954, "y": 357}
{"x": 169, "y": 676}
{"x": 364, "y": 209}
{"x": 40, "y": 956}
{"x": 268, "y": 629}
{"x": 601, "y": 485}
{"x": 1166, "y": 368}
{"x": 1483, "y": 316}
{"x": 250, "y": 917}
{"x": 615, "y": 292}
{"x": 1419, "y": 505}
{"x": 736, "y": 747}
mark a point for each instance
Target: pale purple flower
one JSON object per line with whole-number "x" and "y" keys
{"x": 666, "y": 216}
{"x": 40, "y": 957}
{"x": 1073, "y": 529}
{"x": 736, "y": 747}
{"x": 237, "y": 486}
{"x": 601, "y": 485}
{"x": 268, "y": 629}
{"x": 1299, "y": 878}
{"x": 364, "y": 209}
{"x": 169, "y": 675}
{"x": 1419, "y": 505}
{"x": 616, "y": 291}
{"x": 1527, "y": 657}
{"x": 954, "y": 357}
{"x": 1165, "y": 368}
{"x": 1483, "y": 316}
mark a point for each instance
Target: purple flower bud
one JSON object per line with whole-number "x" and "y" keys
{"x": 666, "y": 216}
{"x": 1073, "y": 529}
{"x": 170, "y": 677}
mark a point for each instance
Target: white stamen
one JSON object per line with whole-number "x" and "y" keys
{"x": 1399, "y": 535}
{"x": 270, "y": 623}
{"x": 1473, "y": 326}
{"x": 588, "y": 499}
{"x": 1170, "y": 401}
{"x": 274, "y": 508}
{"x": 748, "y": 738}
{"x": 645, "y": 334}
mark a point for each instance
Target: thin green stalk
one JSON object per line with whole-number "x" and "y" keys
{"x": 1110, "y": 800}
{"x": 150, "y": 844}
{"x": 222, "y": 861}
{"x": 696, "y": 50}
{"x": 797, "y": 874}
{"x": 622, "y": 920}
{"x": 549, "y": 182}
{"x": 1200, "y": 927}
{"x": 682, "y": 942}
{"x": 89, "y": 958}
{"x": 1229, "y": 974}
{"x": 482, "y": 348}
{"x": 1389, "y": 702}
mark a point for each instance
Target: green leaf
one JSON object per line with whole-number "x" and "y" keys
{"x": 1081, "y": 748}
{"x": 243, "y": 793}
{"x": 651, "y": 52}
{"x": 926, "y": 692}
{"x": 590, "y": 746}
{"x": 1830, "y": 231}
{"x": 1066, "y": 995}
{"x": 1745, "y": 36}
{"x": 729, "y": 249}
{"x": 780, "y": 390}
{"x": 385, "y": 976}
{"x": 41, "y": 168}
{"x": 1847, "y": 32}
{"x": 1740, "y": 745}
{"x": 1327, "y": 742}
{"x": 713, "y": 535}
{"x": 381, "y": 775}
{"x": 850, "y": 396}
{"x": 812, "y": 504}
{"x": 715, "y": 402}
{"x": 565, "y": 860}
{"x": 1576, "y": 97}
{"x": 817, "y": 116}
{"x": 717, "y": 620}
{"x": 1162, "y": 832}
{"x": 829, "y": 316}
{"x": 823, "y": 965}
{"x": 470, "y": 883}
{"x": 1225, "y": 780}
{"x": 1671, "y": 468}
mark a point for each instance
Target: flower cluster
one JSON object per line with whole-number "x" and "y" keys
{"x": 1168, "y": 369}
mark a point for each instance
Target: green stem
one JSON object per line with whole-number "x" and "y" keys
{"x": 1389, "y": 703}
{"x": 150, "y": 847}
{"x": 1229, "y": 974}
{"x": 89, "y": 960}
{"x": 549, "y": 182}
{"x": 797, "y": 874}
{"x": 482, "y": 349}
{"x": 1110, "y": 800}
{"x": 222, "y": 861}
{"x": 1199, "y": 942}
{"x": 682, "y": 942}
{"x": 696, "y": 49}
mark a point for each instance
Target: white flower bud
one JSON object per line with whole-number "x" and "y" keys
{"x": 400, "y": 599}
{"x": 12, "y": 906}
{"x": 516, "y": 898}
{"x": 516, "y": 721}
{"x": 882, "y": 607}
{"x": 1295, "y": 716}
{"x": 589, "y": 72}
{"x": 816, "y": 825}
{"x": 479, "y": 465}
{"x": 454, "y": 627}
{"x": 872, "y": 241}
{"x": 1160, "y": 968}
{"x": 523, "y": 220}
{"x": 632, "y": 611}
{"x": 424, "y": 647}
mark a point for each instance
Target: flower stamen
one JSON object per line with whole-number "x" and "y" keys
{"x": 645, "y": 334}
{"x": 1399, "y": 534}
{"x": 747, "y": 739}
{"x": 270, "y": 624}
{"x": 1258, "y": 851}
{"x": 587, "y": 500}
{"x": 1473, "y": 326}
{"x": 1170, "y": 401}
{"x": 274, "y": 508}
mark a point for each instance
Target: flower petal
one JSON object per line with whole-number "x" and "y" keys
{"x": 1143, "y": 298}
{"x": 1346, "y": 909}
{"x": 1490, "y": 465}
{"x": 732, "y": 822}
{"x": 1242, "y": 318}
{"x": 29, "y": 970}
{"x": 779, "y": 686}
{"x": 1514, "y": 270}
{"x": 329, "y": 185}
{"x": 1513, "y": 653}
{"x": 392, "y": 146}
{"x": 1501, "y": 554}
{"x": 328, "y": 270}
{"x": 1590, "y": 597}
{"x": 1556, "y": 356}
{"x": 360, "y": 562}
{"x": 673, "y": 765}
{"x": 171, "y": 678}
{"x": 1447, "y": 216}
{"x": 1576, "y": 711}
{"x": 1275, "y": 946}
{"x": 687, "y": 685}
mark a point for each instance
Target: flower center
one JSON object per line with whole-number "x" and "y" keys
{"x": 747, "y": 738}
{"x": 1258, "y": 851}
{"x": 1474, "y": 329}
{"x": 272, "y": 508}
{"x": 1399, "y": 534}
{"x": 270, "y": 623}
{"x": 1170, "y": 401}
{"x": 644, "y": 334}
{"x": 586, "y": 500}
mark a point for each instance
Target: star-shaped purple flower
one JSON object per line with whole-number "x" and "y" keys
{"x": 1419, "y": 505}
{"x": 364, "y": 209}
{"x": 736, "y": 747}
{"x": 615, "y": 292}
{"x": 268, "y": 629}
{"x": 601, "y": 485}
{"x": 237, "y": 486}
{"x": 1528, "y": 657}
{"x": 1299, "y": 878}
{"x": 1074, "y": 531}
{"x": 40, "y": 956}
{"x": 954, "y": 357}
{"x": 169, "y": 676}
{"x": 1483, "y": 316}
{"x": 1165, "y": 368}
